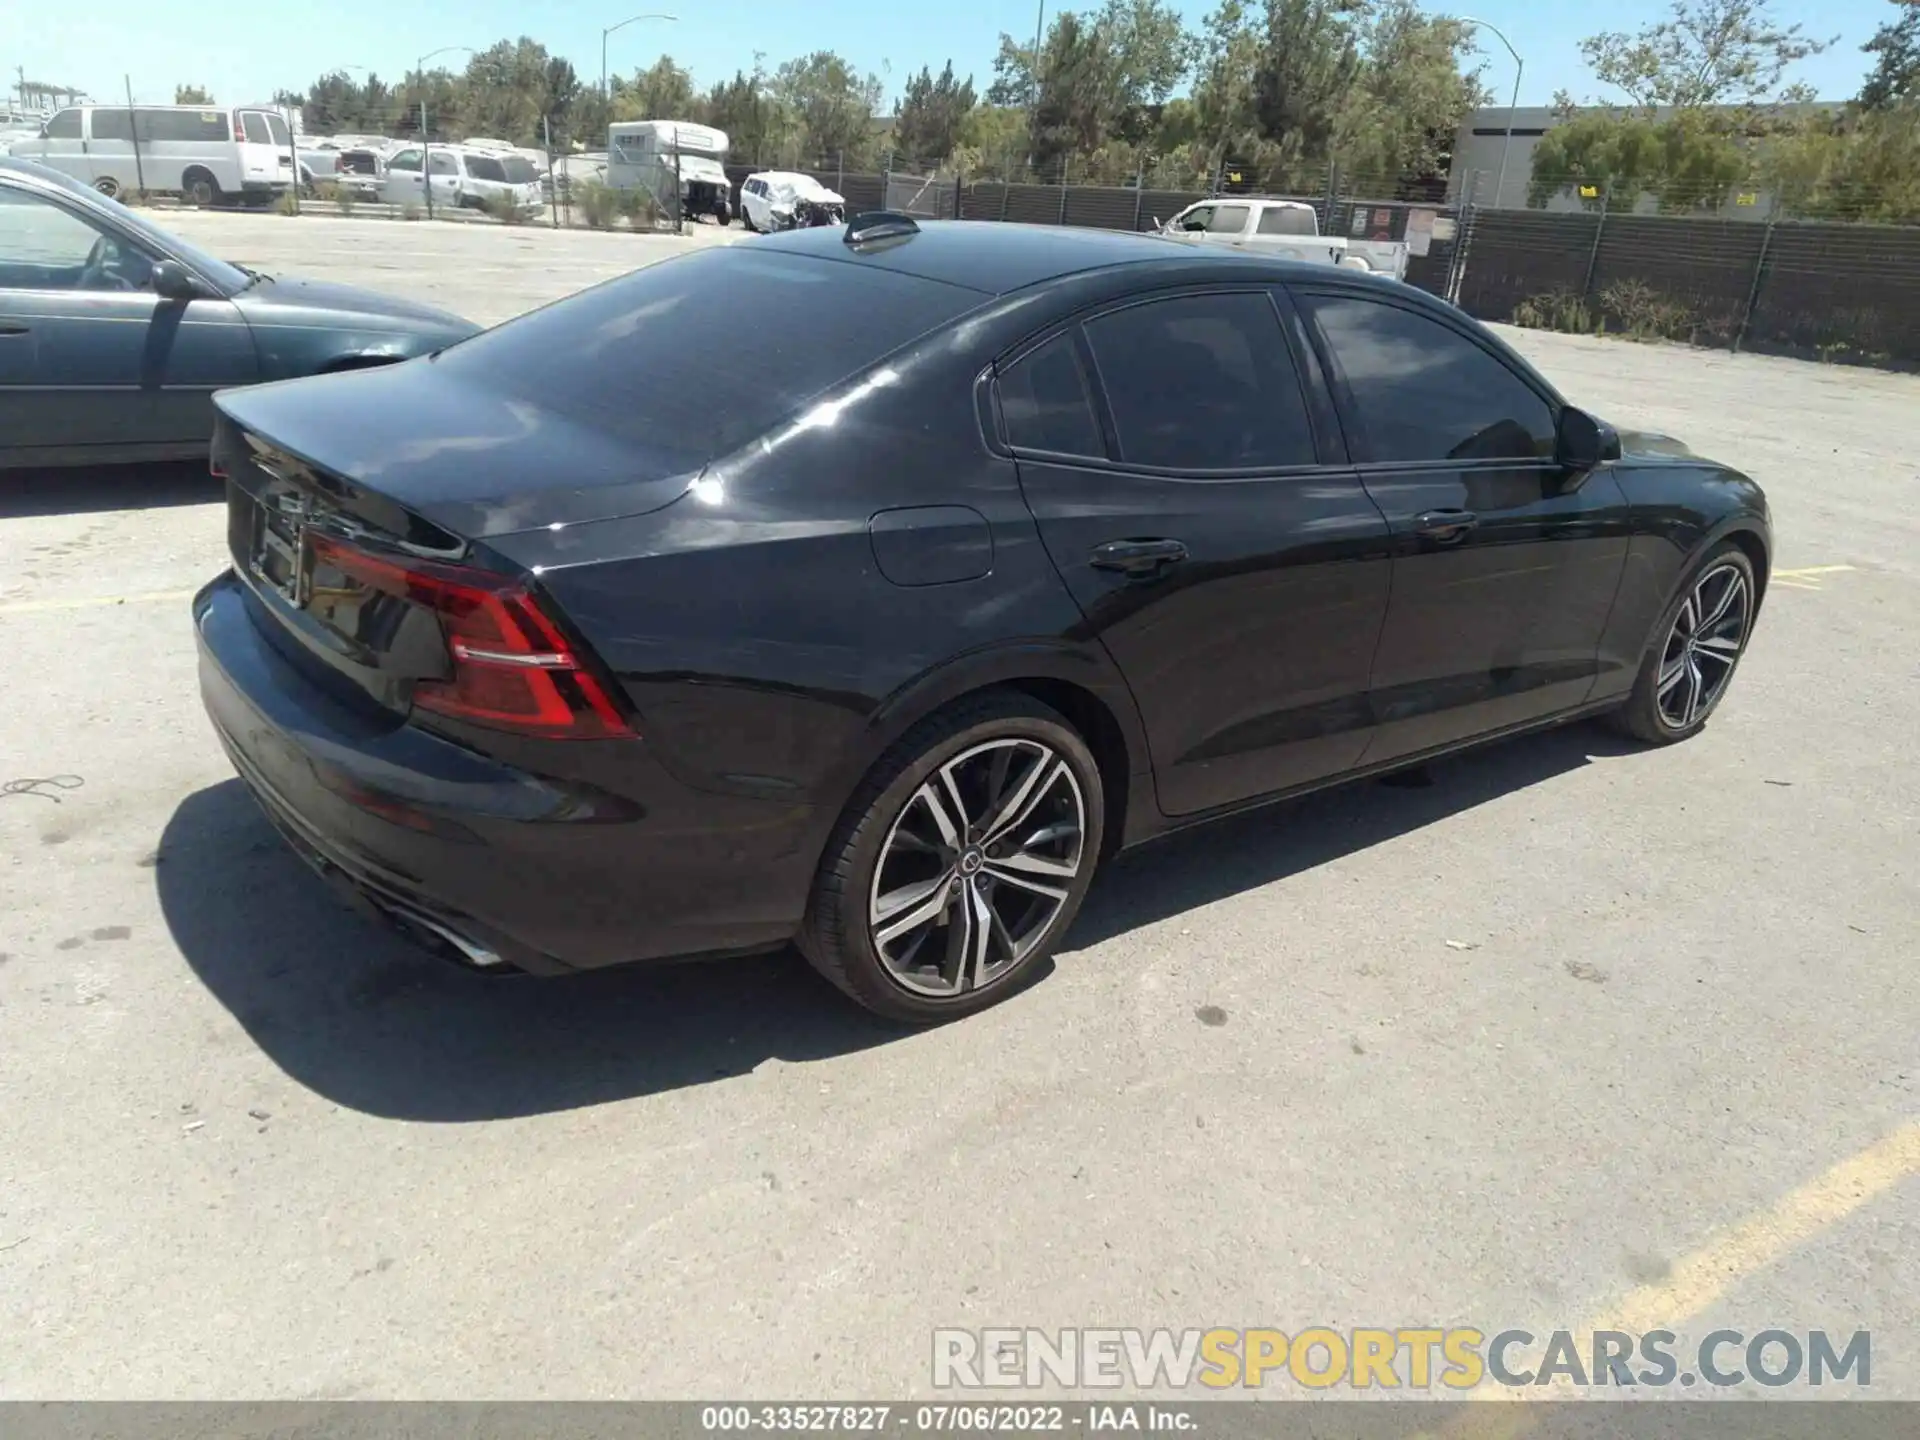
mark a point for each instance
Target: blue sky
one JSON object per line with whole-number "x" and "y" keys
{"x": 248, "y": 52}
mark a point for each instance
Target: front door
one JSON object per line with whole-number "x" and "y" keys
{"x": 1186, "y": 484}
{"x": 90, "y": 357}
{"x": 1505, "y": 563}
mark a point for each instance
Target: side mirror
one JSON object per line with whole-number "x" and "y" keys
{"x": 173, "y": 281}
{"x": 1583, "y": 442}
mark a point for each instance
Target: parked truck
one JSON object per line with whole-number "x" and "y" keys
{"x": 1280, "y": 227}
{"x": 677, "y": 162}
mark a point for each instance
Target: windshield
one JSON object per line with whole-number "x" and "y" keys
{"x": 631, "y": 358}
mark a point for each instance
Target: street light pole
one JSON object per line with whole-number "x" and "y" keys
{"x": 1519, "y": 68}
{"x": 426, "y": 145}
{"x": 630, "y": 20}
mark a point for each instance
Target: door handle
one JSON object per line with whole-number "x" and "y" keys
{"x": 1445, "y": 526}
{"x": 12, "y": 327}
{"x": 1139, "y": 559}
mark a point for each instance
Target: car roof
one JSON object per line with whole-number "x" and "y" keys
{"x": 997, "y": 258}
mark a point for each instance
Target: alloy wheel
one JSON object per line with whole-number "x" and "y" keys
{"x": 977, "y": 866}
{"x": 1703, "y": 646}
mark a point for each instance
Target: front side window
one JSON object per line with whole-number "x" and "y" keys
{"x": 1198, "y": 218}
{"x": 1203, "y": 382}
{"x": 46, "y": 247}
{"x": 1423, "y": 391}
{"x": 64, "y": 126}
{"x": 1046, "y": 403}
{"x": 405, "y": 160}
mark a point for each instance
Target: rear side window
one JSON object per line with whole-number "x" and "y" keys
{"x": 1203, "y": 382}
{"x": 441, "y": 163}
{"x": 1423, "y": 391}
{"x": 1046, "y": 403}
{"x": 640, "y": 358}
{"x": 64, "y": 126}
{"x": 1279, "y": 220}
{"x": 1228, "y": 219}
{"x": 113, "y": 125}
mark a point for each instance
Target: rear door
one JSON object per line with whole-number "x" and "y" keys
{"x": 1182, "y": 463}
{"x": 263, "y": 154}
{"x": 1505, "y": 562}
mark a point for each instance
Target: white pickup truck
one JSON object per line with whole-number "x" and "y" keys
{"x": 1284, "y": 228}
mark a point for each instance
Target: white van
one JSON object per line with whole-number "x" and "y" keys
{"x": 205, "y": 153}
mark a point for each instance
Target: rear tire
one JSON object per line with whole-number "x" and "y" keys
{"x": 959, "y": 863}
{"x": 1694, "y": 650}
{"x": 108, "y": 186}
{"x": 199, "y": 187}
{"x": 746, "y": 219}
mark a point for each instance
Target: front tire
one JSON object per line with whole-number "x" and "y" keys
{"x": 108, "y": 186}
{"x": 1696, "y": 647}
{"x": 960, "y": 861}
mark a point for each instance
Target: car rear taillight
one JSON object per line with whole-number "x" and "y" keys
{"x": 513, "y": 669}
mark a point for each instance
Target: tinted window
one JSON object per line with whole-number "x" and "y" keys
{"x": 636, "y": 358}
{"x": 441, "y": 163}
{"x": 519, "y": 169}
{"x": 1228, "y": 219}
{"x": 112, "y": 125}
{"x": 1197, "y": 219}
{"x": 1423, "y": 391}
{"x": 203, "y": 127}
{"x": 405, "y": 160}
{"x": 1045, "y": 400}
{"x": 484, "y": 167}
{"x": 1278, "y": 220}
{"x": 64, "y": 126}
{"x": 1202, "y": 382}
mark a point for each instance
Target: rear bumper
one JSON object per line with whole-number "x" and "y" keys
{"x": 495, "y": 865}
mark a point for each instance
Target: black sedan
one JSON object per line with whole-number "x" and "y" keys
{"x": 588, "y": 641}
{"x": 114, "y": 335}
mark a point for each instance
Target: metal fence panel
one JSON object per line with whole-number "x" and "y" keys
{"x": 1836, "y": 289}
{"x": 1516, "y": 255}
{"x": 1102, "y": 207}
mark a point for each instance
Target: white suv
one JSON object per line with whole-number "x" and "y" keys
{"x": 463, "y": 178}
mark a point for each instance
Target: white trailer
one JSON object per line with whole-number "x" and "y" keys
{"x": 680, "y": 164}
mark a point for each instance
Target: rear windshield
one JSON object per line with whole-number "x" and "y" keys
{"x": 485, "y": 167}
{"x": 519, "y": 170}
{"x": 693, "y": 357}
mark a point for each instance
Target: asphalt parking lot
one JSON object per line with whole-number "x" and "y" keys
{"x": 1576, "y": 1031}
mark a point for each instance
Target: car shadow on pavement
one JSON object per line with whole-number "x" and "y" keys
{"x": 1210, "y": 862}
{"x": 368, "y": 1021}
{"x": 89, "y": 489}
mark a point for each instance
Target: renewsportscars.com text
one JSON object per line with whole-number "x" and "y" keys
{"x": 1412, "y": 1358}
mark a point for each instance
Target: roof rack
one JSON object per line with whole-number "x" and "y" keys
{"x": 879, "y": 225}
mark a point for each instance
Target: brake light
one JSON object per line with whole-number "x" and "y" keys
{"x": 513, "y": 669}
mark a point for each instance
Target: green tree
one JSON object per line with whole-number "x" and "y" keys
{"x": 757, "y": 126}
{"x": 831, "y": 104}
{"x": 991, "y": 140}
{"x": 1399, "y": 118}
{"x": 1863, "y": 165}
{"x": 1309, "y": 64}
{"x": 1149, "y": 53}
{"x": 1708, "y": 52}
{"x": 1012, "y": 74}
{"x": 663, "y": 91}
{"x": 1075, "y": 101}
{"x": 192, "y": 95}
{"x": 1225, "y": 93}
{"x": 927, "y": 122}
{"x": 1895, "y": 47}
{"x": 1692, "y": 160}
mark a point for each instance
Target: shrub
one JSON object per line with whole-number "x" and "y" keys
{"x": 598, "y": 203}
{"x": 1643, "y": 313}
{"x": 339, "y": 196}
{"x": 288, "y": 203}
{"x": 1557, "y": 310}
{"x": 502, "y": 208}
{"x": 410, "y": 211}
{"x": 637, "y": 205}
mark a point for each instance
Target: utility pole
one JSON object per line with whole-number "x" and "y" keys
{"x": 1519, "y": 68}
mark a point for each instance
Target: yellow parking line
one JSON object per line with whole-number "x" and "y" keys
{"x": 37, "y": 607}
{"x": 1806, "y": 570}
{"x": 1699, "y": 1280}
